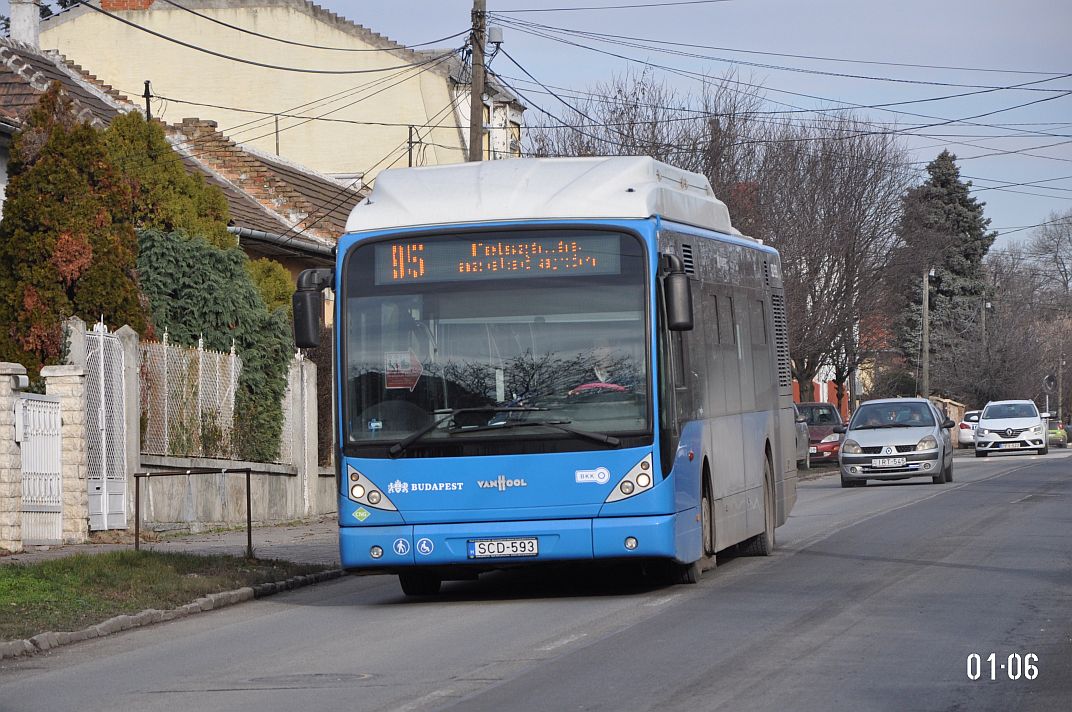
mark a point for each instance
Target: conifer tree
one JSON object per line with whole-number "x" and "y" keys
{"x": 164, "y": 195}
{"x": 943, "y": 228}
{"x": 67, "y": 245}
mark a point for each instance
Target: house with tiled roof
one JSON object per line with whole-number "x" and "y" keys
{"x": 289, "y": 77}
{"x": 278, "y": 208}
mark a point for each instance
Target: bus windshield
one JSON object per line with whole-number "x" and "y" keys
{"x": 537, "y": 328}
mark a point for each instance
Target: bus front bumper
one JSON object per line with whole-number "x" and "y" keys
{"x": 555, "y": 540}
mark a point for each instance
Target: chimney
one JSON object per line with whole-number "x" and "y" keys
{"x": 26, "y": 22}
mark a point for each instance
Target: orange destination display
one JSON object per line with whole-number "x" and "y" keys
{"x": 446, "y": 259}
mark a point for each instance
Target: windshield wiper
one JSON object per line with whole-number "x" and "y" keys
{"x": 397, "y": 449}
{"x": 557, "y": 424}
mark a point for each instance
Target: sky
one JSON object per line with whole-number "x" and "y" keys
{"x": 1015, "y": 42}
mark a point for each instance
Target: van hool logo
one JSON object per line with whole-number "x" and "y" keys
{"x": 502, "y": 484}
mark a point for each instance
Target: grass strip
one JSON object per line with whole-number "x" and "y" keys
{"x": 79, "y": 591}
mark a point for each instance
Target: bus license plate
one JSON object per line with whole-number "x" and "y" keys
{"x": 888, "y": 462}
{"x": 498, "y": 548}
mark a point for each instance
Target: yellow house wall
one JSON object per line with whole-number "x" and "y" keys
{"x": 125, "y": 57}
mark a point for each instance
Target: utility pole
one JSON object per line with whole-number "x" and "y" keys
{"x": 925, "y": 347}
{"x": 476, "y": 97}
{"x": 148, "y": 95}
{"x": 409, "y": 144}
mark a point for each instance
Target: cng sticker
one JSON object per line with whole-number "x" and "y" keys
{"x": 362, "y": 514}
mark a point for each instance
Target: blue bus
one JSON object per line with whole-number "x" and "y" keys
{"x": 552, "y": 360}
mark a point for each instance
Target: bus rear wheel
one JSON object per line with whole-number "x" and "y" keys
{"x": 419, "y": 583}
{"x": 763, "y": 544}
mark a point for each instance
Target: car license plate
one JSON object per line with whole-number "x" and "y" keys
{"x": 888, "y": 462}
{"x": 813, "y": 450}
{"x": 1009, "y": 446}
{"x": 498, "y": 548}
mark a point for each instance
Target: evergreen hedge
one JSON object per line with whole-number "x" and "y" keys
{"x": 197, "y": 289}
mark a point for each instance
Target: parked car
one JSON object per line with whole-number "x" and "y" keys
{"x": 803, "y": 456}
{"x": 966, "y": 428}
{"x": 1057, "y": 434}
{"x": 1011, "y": 425}
{"x": 822, "y": 418}
{"x": 895, "y": 439}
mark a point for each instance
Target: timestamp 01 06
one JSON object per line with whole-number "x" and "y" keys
{"x": 1015, "y": 666}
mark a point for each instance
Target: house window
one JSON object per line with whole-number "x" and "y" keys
{"x": 515, "y": 139}
{"x": 487, "y": 133}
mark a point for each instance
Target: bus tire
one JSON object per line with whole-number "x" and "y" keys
{"x": 419, "y": 583}
{"x": 763, "y": 544}
{"x": 686, "y": 573}
{"x": 707, "y": 522}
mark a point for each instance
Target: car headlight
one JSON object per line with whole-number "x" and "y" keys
{"x": 927, "y": 443}
{"x": 1037, "y": 429}
{"x": 983, "y": 431}
{"x": 851, "y": 447}
{"x": 831, "y": 438}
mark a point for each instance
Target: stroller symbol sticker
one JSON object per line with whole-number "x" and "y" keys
{"x": 425, "y": 546}
{"x": 401, "y": 547}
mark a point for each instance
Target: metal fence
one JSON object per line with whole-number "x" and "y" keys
{"x": 37, "y": 430}
{"x": 188, "y": 397}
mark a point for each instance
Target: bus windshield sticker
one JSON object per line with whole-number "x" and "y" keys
{"x": 403, "y": 369}
{"x": 600, "y": 475}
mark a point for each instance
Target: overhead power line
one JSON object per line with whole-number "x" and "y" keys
{"x": 634, "y": 43}
{"x": 703, "y": 78}
{"x": 617, "y": 7}
{"x": 774, "y": 54}
{"x": 311, "y": 46}
{"x": 265, "y": 65}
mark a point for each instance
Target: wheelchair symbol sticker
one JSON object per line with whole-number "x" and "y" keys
{"x": 401, "y": 547}
{"x": 425, "y": 546}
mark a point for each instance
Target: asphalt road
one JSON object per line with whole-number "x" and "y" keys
{"x": 874, "y": 600}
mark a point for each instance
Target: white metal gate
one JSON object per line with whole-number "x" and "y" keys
{"x": 37, "y": 430}
{"x": 106, "y": 430}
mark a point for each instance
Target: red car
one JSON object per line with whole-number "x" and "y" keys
{"x": 821, "y": 419}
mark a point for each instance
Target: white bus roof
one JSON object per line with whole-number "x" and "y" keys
{"x": 540, "y": 189}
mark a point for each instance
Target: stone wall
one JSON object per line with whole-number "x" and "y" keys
{"x": 69, "y": 384}
{"x": 10, "y": 461}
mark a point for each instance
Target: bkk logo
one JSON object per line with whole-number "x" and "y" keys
{"x": 600, "y": 475}
{"x": 501, "y": 484}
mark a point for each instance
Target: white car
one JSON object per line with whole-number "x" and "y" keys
{"x": 1010, "y": 425}
{"x": 966, "y": 428}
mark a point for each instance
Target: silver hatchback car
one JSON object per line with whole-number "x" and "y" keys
{"x": 895, "y": 439}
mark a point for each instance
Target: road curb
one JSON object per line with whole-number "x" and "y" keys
{"x": 47, "y": 641}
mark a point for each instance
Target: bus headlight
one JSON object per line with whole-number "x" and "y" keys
{"x": 639, "y": 479}
{"x": 365, "y": 491}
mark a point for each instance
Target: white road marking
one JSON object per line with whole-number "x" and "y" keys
{"x": 561, "y": 642}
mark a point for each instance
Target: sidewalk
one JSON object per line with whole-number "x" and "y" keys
{"x": 311, "y": 543}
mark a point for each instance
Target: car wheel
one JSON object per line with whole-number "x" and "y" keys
{"x": 980, "y": 453}
{"x": 419, "y": 583}
{"x": 762, "y": 544}
{"x": 1043, "y": 451}
{"x": 949, "y": 471}
{"x": 938, "y": 479}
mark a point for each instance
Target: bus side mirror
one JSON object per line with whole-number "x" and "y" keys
{"x": 678, "y": 296}
{"x": 308, "y": 304}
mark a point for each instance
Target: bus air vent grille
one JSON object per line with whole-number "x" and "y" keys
{"x": 688, "y": 260}
{"x": 781, "y": 340}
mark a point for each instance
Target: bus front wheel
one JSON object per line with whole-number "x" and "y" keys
{"x": 419, "y": 583}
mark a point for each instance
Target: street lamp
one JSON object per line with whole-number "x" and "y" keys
{"x": 925, "y": 347}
